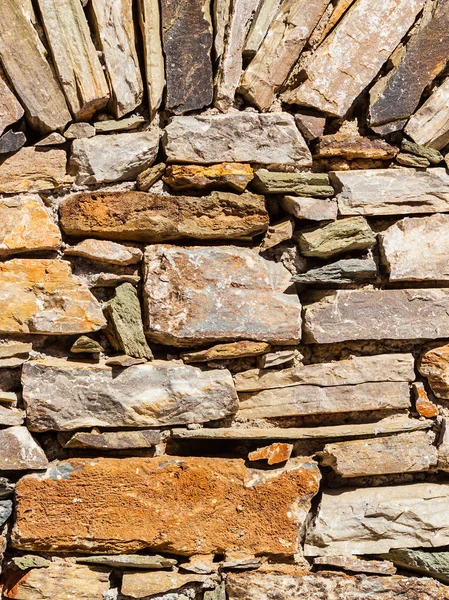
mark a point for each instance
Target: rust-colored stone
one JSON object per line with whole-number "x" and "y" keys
{"x": 424, "y": 406}
{"x": 353, "y": 147}
{"x": 234, "y": 176}
{"x": 273, "y": 454}
{"x": 434, "y": 364}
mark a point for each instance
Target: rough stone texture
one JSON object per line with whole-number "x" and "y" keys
{"x": 334, "y": 238}
{"x": 187, "y": 41}
{"x": 273, "y": 506}
{"x": 313, "y": 209}
{"x": 261, "y": 22}
{"x": 356, "y": 565}
{"x": 303, "y": 400}
{"x": 26, "y": 66}
{"x": 377, "y": 315}
{"x": 310, "y": 125}
{"x": 26, "y": 225}
{"x": 106, "y": 252}
{"x": 302, "y": 184}
{"x": 280, "y": 49}
{"x": 32, "y": 170}
{"x": 232, "y": 176}
{"x": 114, "y": 440}
{"x": 86, "y": 345}
{"x": 12, "y": 141}
{"x": 432, "y": 155}
{"x": 118, "y": 126}
{"x": 332, "y": 586}
{"x": 434, "y": 364}
{"x": 62, "y": 579}
{"x": 79, "y": 130}
{"x": 410, "y": 160}
{"x": 75, "y": 57}
{"x": 149, "y": 395}
{"x": 424, "y": 406}
{"x": 115, "y": 34}
{"x": 416, "y": 249}
{"x": 19, "y": 450}
{"x": 433, "y": 564}
{"x": 11, "y": 416}
{"x": 352, "y": 147}
{"x": 226, "y": 351}
{"x": 42, "y": 296}
{"x": 52, "y": 139}
{"x": 398, "y": 517}
{"x": 200, "y": 294}
{"x": 392, "y": 191}
{"x": 150, "y": 25}
{"x": 273, "y": 454}
{"x": 236, "y": 137}
{"x": 277, "y": 233}
{"x": 340, "y": 273}
{"x": 120, "y": 157}
{"x": 141, "y": 585}
{"x": 5, "y": 511}
{"x": 29, "y": 561}
{"x": 146, "y": 217}
{"x": 403, "y": 453}
{"x": 129, "y": 561}
{"x": 429, "y": 125}
{"x": 221, "y": 11}
{"x": 353, "y": 54}
{"x": 10, "y": 108}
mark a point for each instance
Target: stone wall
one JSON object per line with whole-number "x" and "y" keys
{"x": 224, "y": 299}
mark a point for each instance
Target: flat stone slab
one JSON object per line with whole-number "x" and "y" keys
{"x": 129, "y": 561}
{"x": 106, "y": 252}
{"x": 114, "y": 440}
{"x": 433, "y": 564}
{"x": 356, "y": 565}
{"x": 143, "y": 585}
{"x": 340, "y": 273}
{"x": 33, "y": 170}
{"x": 199, "y": 294}
{"x": 165, "y": 488}
{"x": 434, "y": 364}
{"x": 19, "y": 450}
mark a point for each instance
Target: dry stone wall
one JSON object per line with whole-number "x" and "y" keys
{"x": 224, "y": 299}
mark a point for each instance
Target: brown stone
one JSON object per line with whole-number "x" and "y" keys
{"x": 234, "y": 176}
{"x": 32, "y": 170}
{"x": 273, "y": 454}
{"x": 241, "y": 349}
{"x": 10, "y": 108}
{"x": 146, "y": 217}
{"x": 356, "y": 565}
{"x": 310, "y": 125}
{"x": 424, "y": 407}
{"x": 187, "y": 41}
{"x": 351, "y": 147}
{"x": 114, "y": 440}
{"x": 142, "y": 585}
{"x": 434, "y": 364}
{"x": 206, "y": 505}
{"x": 149, "y": 177}
{"x": 277, "y": 233}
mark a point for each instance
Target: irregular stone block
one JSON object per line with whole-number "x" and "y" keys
{"x": 114, "y": 440}
{"x": 32, "y": 170}
{"x": 340, "y": 9}
{"x": 106, "y": 252}
{"x": 26, "y": 226}
{"x": 356, "y": 565}
{"x": 86, "y": 345}
{"x": 42, "y": 296}
{"x": 149, "y": 395}
{"x": 77, "y": 131}
{"x": 30, "y": 562}
{"x": 129, "y": 561}
{"x": 121, "y": 125}
{"x": 19, "y": 450}
{"x": 409, "y": 160}
{"x": 241, "y": 349}
{"x": 236, "y": 137}
{"x": 432, "y": 155}
{"x": 147, "y": 178}
{"x": 6, "y": 507}
{"x": 352, "y": 147}
{"x": 10, "y": 108}
{"x": 263, "y": 18}
{"x": 434, "y": 364}
{"x": 273, "y": 454}
{"x": 434, "y": 564}
{"x": 143, "y": 217}
{"x": 75, "y": 57}
{"x": 12, "y": 141}
{"x": 275, "y": 506}
{"x": 429, "y": 125}
{"x": 302, "y": 184}
{"x": 391, "y": 191}
{"x": 310, "y": 125}
{"x": 313, "y": 209}
{"x": 150, "y": 25}
{"x": 277, "y": 233}
{"x": 25, "y": 62}
{"x": 349, "y": 59}
{"x": 53, "y": 139}
{"x": 340, "y": 273}
{"x": 187, "y": 40}
{"x": 142, "y": 585}
{"x": 424, "y": 406}
{"x": 120, "y": 157}
{"x": 377, "y": 315}
{"x": 232, "y": 176}
{"x": 398, "y": 516}
{"x": 198, "y": 295}
{"x": 11, "y": 416}
{"x": 303, "y": 400}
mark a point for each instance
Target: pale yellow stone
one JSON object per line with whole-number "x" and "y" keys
{"x": 150, "y": 24}
{"x": 33, "y": 170}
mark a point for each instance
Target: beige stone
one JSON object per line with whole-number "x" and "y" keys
{"x": 277, "y": 233}
{"x": 356, "y": 565}
{"x": 114, "y": 440}
{"x": 11, "y": 416}
{"x": 241, "y": 349}
{"x": 340, "y": 9}
{"x": 429, "y": 125}
{"x": 130, "y": 123}
{"x": 33, "y": 170}
{"x": 150, "y": 25}
{"x": 434, "y": 364}
{"x": 106, "y": 252}
{"x": 10, "y": 108}
{"x": 260, "y": 24}
{"x": 221, "y": 11}
{"x": 313, "y": 209}
{"x": 20, "y": 451}
{"x": 141, "y": 585}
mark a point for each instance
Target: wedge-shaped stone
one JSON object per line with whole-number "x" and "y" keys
{"x": 273, "y": 454}
{"x": 20, "y": 451}
{"x": 75, "y": 57}
{"x": 26, "y": 226}
{"x": 32, "y": 170}
{"x": 120, "y": 157}
{"x": 114, "y": 440}
{"x": 313, "y": 209}
{"x": 149, "y": 395}
{"x": 62, "y": 579}
{"x": 429, "y": 125}
{"x": 433, "y": 156}
{"x": 263, "y": 18}
{"x": 374, "y": 520}
{"x": 146, "y": 217}
{"x": 236, "y": 137}
{"x": 407, "y": 452}
{"x": 340, "y": 273}
{"x": 416, "y": 249}
{"x": 142, "y": 585}
{"x": 150, "y": 25}
{"x": 352, "y": 371}
{"x": 270, "y": 507}
{"x": 377, "y": 315}
{"x": 433, "y": 564}
{"x": 226, "y": 351}
{"x": 332, "y": 586}
{"x": 42, "y": 296}
{"x": 354, "y": 53}
{"x": 279, "y": 51}
{"x": 25, "y": 62}
{"x": 197, "y": 295}
{"x": 233, "y": 176}
{"x": 130, "y": 561}
{"x": 434, "y": 364}
{"x": 115, "y": 33}
{"x": 10, "y": 108}
{"x": 315, "y": 400}
{"x": 392, "y": 191}
{"x": 106, "y": 252}
{"x": 187, "y": 41}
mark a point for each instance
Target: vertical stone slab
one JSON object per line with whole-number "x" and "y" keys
{"x": 10, "y": 108}
{"x": 262, "y": 20}
{"x": 429, "y": 125}
{"x": 150, "y": 25}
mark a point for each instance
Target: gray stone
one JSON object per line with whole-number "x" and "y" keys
{"x": 20, "y": 451}
{"x": 6, "y": 507}
{"x": 130, "y": 561}
{"x": 63, "y": 395}
{"x": 301, "y": 184}
{"x": 342, "y": 272}
{"x": 278, "y": 358}
{"x": 29, "y": 561}
{"x": 6, "y": 488}
{"x": 356, "y": 565}
{"x": 114, "y": 440}
{"x": 12, "y": 141}
{"x": 77, "y": 131}
{"x": 313, "y": 209}
{"x": 434, "y": 564}
{"x": 433, "y": 156}
{"x": 410, "y": 160}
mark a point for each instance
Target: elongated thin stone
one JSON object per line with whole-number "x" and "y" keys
{"x": 10, "y": 108}
{"x": 150, "y": 25}
{"x": 221, "y": 12}
{"x": 262, "y": 20}
{"x": 429, "y": 125}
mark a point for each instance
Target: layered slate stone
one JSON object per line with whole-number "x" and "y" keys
{"x": 11, "y": 109}
{"x": 340, "y": 273}
{"x": 146, "y": 217}
{"x": 228, "y": 499}
{"x": 114, "y": 440}
{"x": 236, "y": 137}
{"x": 32, "y": 170}
{"x": 434, "y": 364}
{"x": 425, "y": 57}
{"x": 355, "y": 565}
{"x": 416, "y": 249}
{"x": 75, "y": 57}
{"x": 354, "y": 53}
{"x": 430, "y": 123}
{"x": 301, "y": 184}
{"x": 20, "y": 451}
{"x": 405, "y": 516}
{"x": 376, "y": 315}
{"x": 226, "y": 351}
{"x": 391, "y": 191}
{"x": 262, "y": 20}
{"x": 24, "y": 59}
{"x": 106, "y": 252}
{"x": 280, "y": 49}
{"x": 130, "y": 561}
{"x": 187, "y": 42}
{"x": 433, "y": 564}
{"x": 120, "y": 157}
{"x": 352, "y": 147}
{"x": 232, "y": 176}
{"x": 26, "y": 225}
{"x": 147, "y": 395}
{"x": 150, "y": 25}
{"x": 195, "y": 295}
{"x": 142, "y": 585}
{"x": 42, "y": 296}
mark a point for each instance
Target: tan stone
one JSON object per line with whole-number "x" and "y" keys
{"x": 26, "y": 225}
{"x": 106, "y": 252}
{"x": 221, "y": 11}
{"x": 134, "y": 121}
{"x": 114, "y": 440}
{"x": 32, "y": 170}
{"x": 273, "y": 454}
{"x": 277, "y": 233}
{"x": 197, "y": 505}
{"x": 356, "y": 565}
{"x": 42, "y": 296}
{"x": 340, "y": 8}
{"x": 434, "y": 364}
{"x": 424, "y": 406}
{"x": 429, "y": 125}
{"x": 313, "y": 209}
{"x": 241, "y": 349}
{"x": 262, "y": 20}
{"x": 11, "y": 416}
{"x": 351, "y": 147}
{"x": 10, "y": 108}
{"x": 141, "y": 585}
{"x": 150, "y": 25}
{"x": 234, "y": 176}
{"x": 20, "y": 451}
{"x": 147, "y": 178}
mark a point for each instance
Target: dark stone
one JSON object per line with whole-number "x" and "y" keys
{"x": 340, "y": 272}
{"x": 11, "y": 141}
